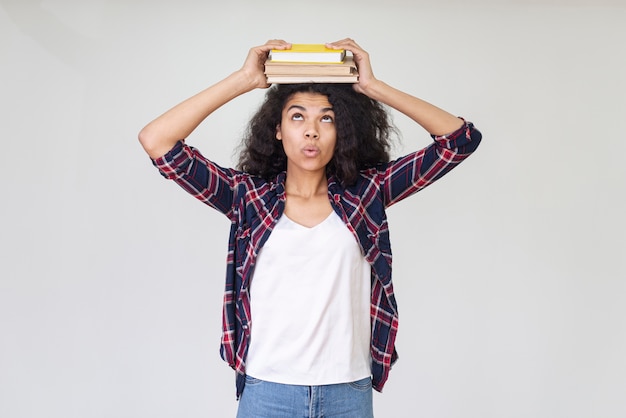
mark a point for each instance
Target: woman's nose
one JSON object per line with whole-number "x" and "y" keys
{"x": 311, "y": 132}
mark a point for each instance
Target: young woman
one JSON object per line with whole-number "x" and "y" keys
{"x": 310, "y": 318}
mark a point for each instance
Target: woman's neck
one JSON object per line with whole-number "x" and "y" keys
{"x": 307, "y": 200}
{"x": 306, "y": 185}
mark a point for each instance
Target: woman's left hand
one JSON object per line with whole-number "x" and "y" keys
{"x": 362, "y": 60}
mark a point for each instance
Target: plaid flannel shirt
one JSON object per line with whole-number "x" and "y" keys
{"x": 254, "y": 205}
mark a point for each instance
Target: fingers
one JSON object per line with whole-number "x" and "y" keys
{"x": 279, "y": 42}
{"x": 260, "y": 53}
{"x": 347, "y": 44}
{"x": 344, "y": 41}
{"x": 276, "y": 44}
{"x": 361, "y": 57}
{"x": 253, "y": 66}
{"x": 262, "y": 50}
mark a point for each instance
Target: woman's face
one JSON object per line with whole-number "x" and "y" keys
{"x": 307, "y": 131}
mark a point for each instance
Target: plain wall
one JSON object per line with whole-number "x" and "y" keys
{"x": 510, "y": 272}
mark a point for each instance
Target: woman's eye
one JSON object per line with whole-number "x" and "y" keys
{"x": 327, "y": 118}
{"x": 296, "y": 116}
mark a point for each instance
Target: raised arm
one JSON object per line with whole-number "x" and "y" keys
{"x": 435, "y": 120}
{"x": 160, "y": 135}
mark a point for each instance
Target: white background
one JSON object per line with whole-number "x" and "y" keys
{"x": 510, "y": 272}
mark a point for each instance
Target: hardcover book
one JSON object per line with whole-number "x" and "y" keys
{"x": 308, "y": 53}
{"x": 297, "y": 79}
{"x": 293, "y": 68}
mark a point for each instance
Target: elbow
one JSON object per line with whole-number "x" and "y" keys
{"x": 151, "y": 143}
{"x": 145, "y": 139}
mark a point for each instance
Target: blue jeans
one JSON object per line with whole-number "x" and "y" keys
{"x": 261, "y": 399}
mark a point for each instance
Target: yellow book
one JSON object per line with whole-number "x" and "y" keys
{"x": 317, "y": 53}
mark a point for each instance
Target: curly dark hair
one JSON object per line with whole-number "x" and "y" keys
{"x": 363, "y": 132}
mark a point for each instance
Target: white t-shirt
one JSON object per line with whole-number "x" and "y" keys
{"x": 310, "y": 306}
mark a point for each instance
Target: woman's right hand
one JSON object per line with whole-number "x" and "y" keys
{"x": 254, "y": 67}
{"x": 160, "y": 135}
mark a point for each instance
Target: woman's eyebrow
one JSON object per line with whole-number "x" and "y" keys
{"x": 296, "y": 107}
{"x": 302, "y": 108}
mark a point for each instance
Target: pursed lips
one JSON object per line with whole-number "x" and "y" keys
{"x": 311, "y": 150}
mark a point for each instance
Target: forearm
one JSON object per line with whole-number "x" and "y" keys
{"x": 435, "y": 120}
{"x": 160, "y": 135}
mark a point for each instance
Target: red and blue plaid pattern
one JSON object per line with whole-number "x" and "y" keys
{"x": 254, "y": 205}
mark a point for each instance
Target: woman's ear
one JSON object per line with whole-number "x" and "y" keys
{"x": 279, "y": 135}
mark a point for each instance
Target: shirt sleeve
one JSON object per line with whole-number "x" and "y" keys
{"x": 409, "y": 174}
{"x": 203, "y": 179}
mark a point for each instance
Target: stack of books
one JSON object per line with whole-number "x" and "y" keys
{"x": 310, "y": 63}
